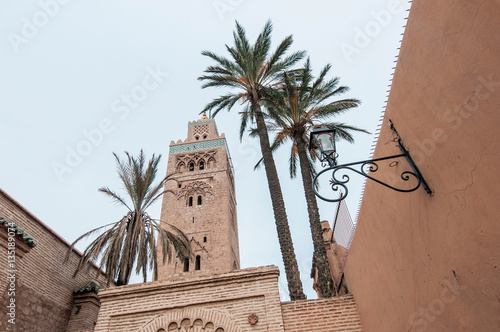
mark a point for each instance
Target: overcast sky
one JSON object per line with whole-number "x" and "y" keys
{"x": 82, "y": 79}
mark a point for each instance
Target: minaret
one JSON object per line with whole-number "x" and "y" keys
{"x": 202, "y": 201}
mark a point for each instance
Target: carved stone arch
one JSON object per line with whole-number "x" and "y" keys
{"x": 193, "y": 320}
{"x": 181, "y": 167}
{"x": 197, "y": 187}
{"x": 202, "y": 164}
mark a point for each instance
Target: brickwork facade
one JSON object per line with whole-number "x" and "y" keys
{"x": 240, "y": 301}
{"x": 44, "y": 285}
{"x": 224, "y": 302}
{"x": 200, "y": 200}
{"x": 329, "y": 315}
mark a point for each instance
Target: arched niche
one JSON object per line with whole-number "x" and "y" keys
{"x": 193, "y": 320}
{"x": 211, "y": 163}
{"x": 181, "y": 167}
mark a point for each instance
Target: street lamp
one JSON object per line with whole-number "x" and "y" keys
{"x": 322, "y": 143}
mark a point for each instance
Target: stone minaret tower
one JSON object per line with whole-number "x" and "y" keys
{"x": 202, "y": 202}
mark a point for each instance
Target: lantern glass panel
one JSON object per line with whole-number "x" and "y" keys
{"x": 326, "y": 142}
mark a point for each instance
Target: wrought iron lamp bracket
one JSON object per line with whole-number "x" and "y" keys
{"x": 371, "y": 166}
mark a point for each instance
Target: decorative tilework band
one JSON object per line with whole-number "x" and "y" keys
{"x": 199, "y": 123}
{"x": 216, "y": 143}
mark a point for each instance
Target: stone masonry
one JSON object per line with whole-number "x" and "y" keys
{"x": 200, "y": 200}
{"x": 220, "y": 303}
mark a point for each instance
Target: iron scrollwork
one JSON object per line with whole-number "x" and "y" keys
{"x": 370, "y": 166}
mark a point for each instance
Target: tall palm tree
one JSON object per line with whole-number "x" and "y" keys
{"x": 293, "y": 109}
{"x": 249, "y": 71}
{"x": 133, "y": 239}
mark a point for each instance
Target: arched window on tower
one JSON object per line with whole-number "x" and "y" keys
{"x": 202, "y": 165}
{"x": 199, "y": 200}
{"x": 186, "y": 264}
{"x": 190, "y": 202}
{"x": 181, "y": 167}
{"x": 197, "y": 265}
{"x": 211, "y": 163}
{"x": 191, "y": 166}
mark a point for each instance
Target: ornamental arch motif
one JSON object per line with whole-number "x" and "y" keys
{"x": 184, "y": 161}
{"x": 212, "y": 163}
{"x": 195, "y": 189}
{"x": 201, "y": 164}
{"x": 193, "y": 320}
{"x": 181, "y": 167}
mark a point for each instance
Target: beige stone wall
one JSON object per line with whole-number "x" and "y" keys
{"x": 44, "y": 285}
{"x": 323, "y": 315}
{"x": 224, "y": 300}
{"x": 431, "y": 263}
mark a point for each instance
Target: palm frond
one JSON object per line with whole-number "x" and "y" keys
{"x": 133, "y": 240}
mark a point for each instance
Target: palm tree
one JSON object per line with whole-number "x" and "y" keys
{"x": 133, "y": 239}
{"x": 299, "y": 104}
{"x": 248, "y": 73}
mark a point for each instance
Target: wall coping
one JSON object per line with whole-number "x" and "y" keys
{"x": 20, "y": 233}
{"x": 342, "y": 298}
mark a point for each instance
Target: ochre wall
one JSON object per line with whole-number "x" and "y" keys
{"x": 44, "y": 285}
{"x": 431, "y": 263}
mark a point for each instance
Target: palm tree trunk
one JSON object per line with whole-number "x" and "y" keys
{"x": 285, "y": 239}
{"x": 326, "y": 283}
{"x": 128, "y": 254}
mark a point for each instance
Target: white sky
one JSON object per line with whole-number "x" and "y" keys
{"x": 65, "y": 66}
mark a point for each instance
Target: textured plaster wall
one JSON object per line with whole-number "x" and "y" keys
{"x": 431, "y": 263}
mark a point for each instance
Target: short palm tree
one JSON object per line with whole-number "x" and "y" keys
{"x": 250, "y": 70}
{"x": 133, "y": 239}
{"x": 299, "y": 104}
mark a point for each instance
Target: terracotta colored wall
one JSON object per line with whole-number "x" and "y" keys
{"x": 44, "y": 285}
{"x": 422, "y": 263}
